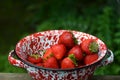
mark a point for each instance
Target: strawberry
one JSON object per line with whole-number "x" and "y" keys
{"x": 48, "y": 53}
{"x": 68, "y": 39}
{"x": 39, "y": 64}
{"x": 89, "y": 46}
{"x": 80, "y": 65}
{"x": 69, "y": 62}
{"x": 34, "y": 58}
{"x": 59, "y": 51}
{"x": 76, "y": 50}
{"x": 90, "y": 58}
{"x": 50, "y": 62}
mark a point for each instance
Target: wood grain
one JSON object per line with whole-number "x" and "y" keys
{"x": 25, "y": 76}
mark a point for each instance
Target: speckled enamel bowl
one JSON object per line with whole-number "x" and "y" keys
{"x": 37, "y": 42}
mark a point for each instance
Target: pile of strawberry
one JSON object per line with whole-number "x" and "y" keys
{"x": 67, "y": 53}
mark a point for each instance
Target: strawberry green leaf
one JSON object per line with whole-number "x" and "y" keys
{"x": 94, "y": 47}
{"x": 75, "y": 40}
{"x": 36, "y": 56}
{"x": 72, "y": 57}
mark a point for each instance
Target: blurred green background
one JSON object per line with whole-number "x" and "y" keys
{"x": 100, "y": 18}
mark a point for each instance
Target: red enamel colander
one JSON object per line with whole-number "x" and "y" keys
{"x": 37, "y": 42}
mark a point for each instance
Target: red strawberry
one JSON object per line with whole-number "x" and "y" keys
{"x": 59, "y": 51}
{"x": 90, "y": 58}
{"x": 76, "y": 50}
{"x": 67, "y": 38}
{"x": 48, "y": 53}
{"x": 51, "y": 62}
{"x": 34, "y": 58}
{"x": 39, "y": 64}
{"x": 69, "y": 62}
{"x": 89, "y": 46}
{"x": 80, "y": 65}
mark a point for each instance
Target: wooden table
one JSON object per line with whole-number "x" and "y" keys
{"x": 25, "y": 76}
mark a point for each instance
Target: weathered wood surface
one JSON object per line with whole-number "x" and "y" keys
{"x": 25, "y": 76}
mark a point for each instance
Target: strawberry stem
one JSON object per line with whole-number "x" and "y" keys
{"x": 36, "y": 56}
{"x": 93, "y": 47}
{"x": 51, "y": 55}
{"x": 75, "y": 40}
{"x": 72, "y": 57}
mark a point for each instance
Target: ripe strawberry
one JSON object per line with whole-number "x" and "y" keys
{"x": 48, "y": 53}
{"x": 69, "y": 62}
{"x": 59, "y": 51}
{"x": 80, "y": 65}
{"x": 68, "y": 39}
{"x": 90, "y": 58}
{"x": 50, "y": 62}
{"x": 76, "y": 50}
{"x": 34, "y": 58}
{"x": 39, "y": 64}
{"x": 89, "y": 46}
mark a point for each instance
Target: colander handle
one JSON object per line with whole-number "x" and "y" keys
{"x": 108, "y": 58}
{"x": 14, "y": 61}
